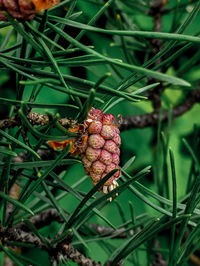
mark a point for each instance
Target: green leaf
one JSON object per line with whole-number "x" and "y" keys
{"x": 15, "y": 202}
{"x": 16, "y": 141}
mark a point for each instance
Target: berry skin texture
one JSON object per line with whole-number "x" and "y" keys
{"x": 98, "y": 167}
{"x": 95, "y": 127}
{"x": 111, "y": 146}
{"x": 92, "y": 154}
{"x": 106, "y": 157}
{"x": 96, "y": 141}
{"x": 107, "y": 132}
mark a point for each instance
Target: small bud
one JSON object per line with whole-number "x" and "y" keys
{"x": 95, "y": 114}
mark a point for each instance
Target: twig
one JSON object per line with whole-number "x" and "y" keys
{"x": 128, "y": 122}
{"x": 155, "y": 10}
{"x": 151, "y": 119}
{"x": 51, "y": 215}
{"x": 70, "y": 252}
{"x": 64, "y": 249}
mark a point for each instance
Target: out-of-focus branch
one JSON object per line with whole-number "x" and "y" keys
{"x": 128, "y": 122}
{"x": 64, "y": 249}
{"x": 34, "y": 119}
{"x": 70, "y": 252}
{"x": 156, "y": 9}
{"x": 42, "y": 219}
{"x": 151, "y": 119}
{"x": 51, "y": 215}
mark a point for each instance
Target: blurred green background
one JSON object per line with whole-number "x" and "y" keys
{"x": 145, "y": 143}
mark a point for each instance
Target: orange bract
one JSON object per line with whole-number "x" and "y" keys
{"x": 41, "y": 5}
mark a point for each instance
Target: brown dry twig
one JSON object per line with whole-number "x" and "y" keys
{"x": 128, "y": 122}
{"x": 65, "y": 249}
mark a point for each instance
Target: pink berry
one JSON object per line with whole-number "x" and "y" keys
{"x": 96, "y": 141}
{"x": 98, "y": 167}
{"x": 95, "y": 127}
{"x": 95, "y": 114}
{"x": 107, "y": 132}
{"x": 95, "y": 177}
{"x": 117, "y": 139}
{"x": 110, "y": 167}
{"x": 116, "y": 129}
{"x": 109, "y": 181}
{"x": 115, "y": 158}
{"x": 86, "y": 163}
{"x": 92, "y": 154}
{"x": 110, "y": 146}
{"x": 106, "y": 157}
{"x": 108, "y": 119}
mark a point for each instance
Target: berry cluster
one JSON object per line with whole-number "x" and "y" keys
{"x": 98, "y": 145}
{"x": 100, "y": 153}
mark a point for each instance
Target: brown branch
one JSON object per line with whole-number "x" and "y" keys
{"x": 151, "y": 119}
{"x": 51, "y": 215}
{"x": 70, "y": 252}
{"x": 65, "y": 249}
{"x": 156, "y": 9}
{"x": 128, "y": 122}
{"x": 34, "y": 119}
